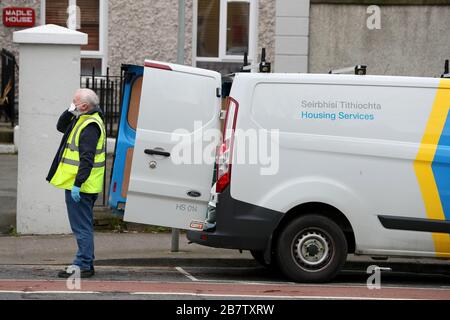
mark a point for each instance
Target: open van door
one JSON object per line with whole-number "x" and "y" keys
{"x": 174, "y": 153}
{"x": 126, "y": 135}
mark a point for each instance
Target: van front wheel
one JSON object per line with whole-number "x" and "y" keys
{"x": 312, "y": 248}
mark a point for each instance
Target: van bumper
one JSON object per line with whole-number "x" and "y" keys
{"x": 239, "y": 225}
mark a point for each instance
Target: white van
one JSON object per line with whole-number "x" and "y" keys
{"x": 355, "y": 164}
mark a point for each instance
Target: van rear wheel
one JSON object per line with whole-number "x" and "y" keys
{"x": 312, "y": 248}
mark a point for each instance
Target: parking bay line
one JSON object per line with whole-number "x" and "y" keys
{"x": 187, "y": 274}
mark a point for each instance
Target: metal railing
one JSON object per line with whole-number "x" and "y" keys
{"x": 7, "y": 87}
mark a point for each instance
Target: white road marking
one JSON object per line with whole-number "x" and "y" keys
{"x": 258, "y": 296}
{"x": 50, "y": 292}
{"x": 187, "y": 274}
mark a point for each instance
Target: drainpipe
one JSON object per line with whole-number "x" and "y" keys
{"x": 180, "y": 60}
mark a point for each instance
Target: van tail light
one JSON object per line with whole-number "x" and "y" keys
{"x": 225, "y": 152}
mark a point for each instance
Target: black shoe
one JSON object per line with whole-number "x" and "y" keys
{"x": 64, "y": 274}
{"x": 83, "y": 273}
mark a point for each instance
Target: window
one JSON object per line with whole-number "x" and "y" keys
{"x": 225, "y": 31}
{"x": 91, "y": 19}
{"x": 238, "y": 17}
{"x": 90, "y": 23}
{"x": 208, "y": 28}
{"x": 89, "y": 64}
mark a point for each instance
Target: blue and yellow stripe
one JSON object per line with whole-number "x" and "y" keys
{"x": 432, "y": 165}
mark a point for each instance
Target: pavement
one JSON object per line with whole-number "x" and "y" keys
{"x": 137, "y": 249}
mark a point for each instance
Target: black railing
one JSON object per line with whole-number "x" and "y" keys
{"x": 109, "y": 91}
{"x": 7, "y": 87}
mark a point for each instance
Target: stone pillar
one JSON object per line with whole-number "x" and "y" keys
{"x": 291, "y": 35}
{"x": 49, "y": 74}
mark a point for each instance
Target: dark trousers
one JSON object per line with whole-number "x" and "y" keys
{"x": 81, "y": 218}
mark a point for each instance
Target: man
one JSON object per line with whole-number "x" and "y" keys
{"x": 78, "y": 167}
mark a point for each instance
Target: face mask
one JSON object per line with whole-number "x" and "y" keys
{"x": 74, "y": 110}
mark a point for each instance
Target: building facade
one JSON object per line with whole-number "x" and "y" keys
{"x": 299, "y": 35}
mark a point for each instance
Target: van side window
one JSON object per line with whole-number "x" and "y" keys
{"x": 135, "y": 98}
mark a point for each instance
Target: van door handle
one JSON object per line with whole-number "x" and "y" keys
{"x": 157, "y": 152}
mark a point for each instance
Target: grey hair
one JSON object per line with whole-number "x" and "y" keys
{"x": 88, "y": 96}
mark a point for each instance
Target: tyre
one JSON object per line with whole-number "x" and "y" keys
{"x": 311, "y": 248}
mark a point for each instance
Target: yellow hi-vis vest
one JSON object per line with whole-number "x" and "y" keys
{"x": 67, "y": 170}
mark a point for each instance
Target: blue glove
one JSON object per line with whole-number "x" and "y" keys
{"x": 76, "y": 194}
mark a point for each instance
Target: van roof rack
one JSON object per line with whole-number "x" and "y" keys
{"x": 262, "y": 67}
{"x": 446, "y": 73}
{"x": 359, "y": 69}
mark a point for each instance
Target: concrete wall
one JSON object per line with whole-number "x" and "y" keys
{"x": 49, "y": 76}
{"x": 412, "y": 41}
{"x": 141, "y": 29}
{"x": 266, "y": 29}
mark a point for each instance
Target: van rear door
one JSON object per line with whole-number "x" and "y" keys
{"x": 176, "y": 139}
{"x": 123, "y": 151}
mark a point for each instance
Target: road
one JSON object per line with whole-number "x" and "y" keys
{"x": 235, "y": 280}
